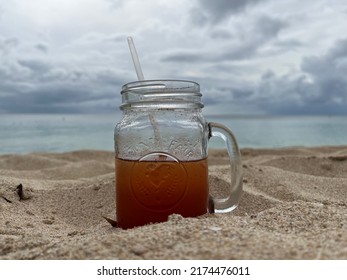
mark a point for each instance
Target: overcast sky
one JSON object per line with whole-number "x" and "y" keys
{"x": 249, "y": 56}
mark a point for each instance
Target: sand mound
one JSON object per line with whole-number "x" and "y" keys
{"x": 294, "y": 206}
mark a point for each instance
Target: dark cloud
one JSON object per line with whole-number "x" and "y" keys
{"x": 221, "y": 33}
{"x": 243, "y": 45}
{"x": 184, "y": 57}
{"x": 239, "y": 51}
{"x": 60, "y": 97}
{"x": 264, "y": 30}
{"x": 42, "y": 47}
{"x": 241, "y": 93}
{"x": 231, "y": 43}
{"x": 40, "y": 86}
{"x": 321, "y": 87}
{"x": 36, "y": 66}
{"x": 269, "y": 27}
{"x": 328, "y": 72}
{"x": 318, "y": 87}
{"x": 216, "y": 11}
{"x": 198, "y": 17}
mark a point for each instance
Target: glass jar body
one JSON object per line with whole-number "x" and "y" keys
{"x": 161, "y": 165}
{"x": 161, "y": 155}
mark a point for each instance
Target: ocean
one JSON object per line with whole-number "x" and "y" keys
{"x": 67, "y": 132}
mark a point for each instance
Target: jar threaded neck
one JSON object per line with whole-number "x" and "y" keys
{"x": 161, "y": 94}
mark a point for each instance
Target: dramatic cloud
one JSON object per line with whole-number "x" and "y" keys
{"x": 319, "y": 87}
{"x": 250, "y": 56}
{"x": 243, "y": 45}
{"x": 40, "y": 86}
{"x": 328, "y": 73}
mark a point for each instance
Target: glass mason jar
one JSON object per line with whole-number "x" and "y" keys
{"x": 161, "y": 149}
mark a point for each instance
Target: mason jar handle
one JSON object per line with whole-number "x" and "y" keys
{"x": 229, "y": 203}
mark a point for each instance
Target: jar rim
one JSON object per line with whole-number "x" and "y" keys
{"x": 161, "y": 94}
{"x": 162, "y": 85}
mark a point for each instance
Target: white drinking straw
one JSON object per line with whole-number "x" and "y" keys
{"x": 135, "y": 58}
{"x": 140, "y": 77}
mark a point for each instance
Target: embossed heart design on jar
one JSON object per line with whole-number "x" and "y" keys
{"x": 159, "y": 185}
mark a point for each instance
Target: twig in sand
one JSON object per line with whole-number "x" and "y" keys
{"x": 211, "y": 205}
{"x": 6, "y": 199}
{"x": 19, "y": 190}
{"x": 111, "y": 222}
{"x": 21, "y": 194}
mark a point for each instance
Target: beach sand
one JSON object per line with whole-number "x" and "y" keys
{"x": 294, "y": 206}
